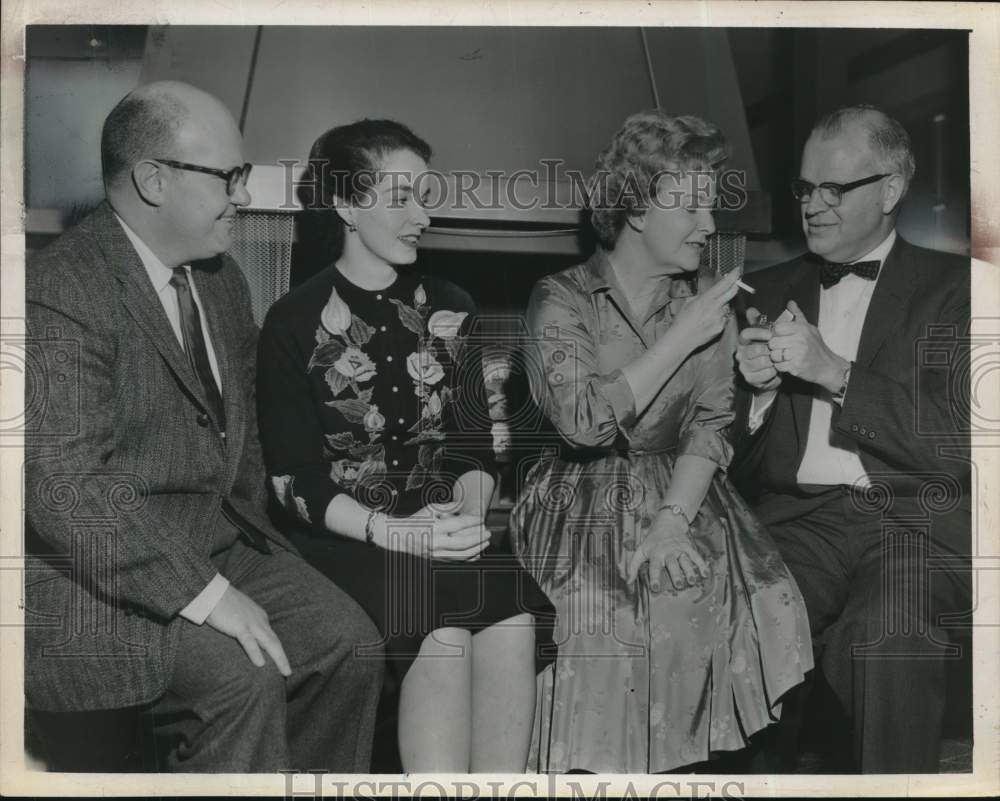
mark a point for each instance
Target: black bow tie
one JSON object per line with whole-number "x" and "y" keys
{"x": 831, "y": 272}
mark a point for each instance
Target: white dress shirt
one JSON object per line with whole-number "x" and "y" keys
{"x": 842, "y": 311}
{"x": 159, "y": 274}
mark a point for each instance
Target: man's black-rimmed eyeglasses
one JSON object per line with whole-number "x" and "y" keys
{"x": 830, "y": 193}
{"x": 234, "y": 178}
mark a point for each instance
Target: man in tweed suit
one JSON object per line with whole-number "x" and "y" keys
{"x": 154, "y": 576}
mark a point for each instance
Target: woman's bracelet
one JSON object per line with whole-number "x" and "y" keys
{"x": 370, "y": 527}
{"x": 675, "y": 508}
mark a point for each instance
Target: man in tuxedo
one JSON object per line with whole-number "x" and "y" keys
{"x": 853, "y": 446}
{"x": 154, "y": 578}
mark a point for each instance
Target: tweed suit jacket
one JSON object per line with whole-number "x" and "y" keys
{"x": 905, "y": 411}
{"x": 126, "y": 471}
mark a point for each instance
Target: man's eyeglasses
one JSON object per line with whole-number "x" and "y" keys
{"x": 830, "y": 193}
{"x": 234, "y": 178}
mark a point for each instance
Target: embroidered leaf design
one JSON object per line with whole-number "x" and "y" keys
{"x": 371, "y": 471}
{"x": 365, "y": 395}
{"x": 326, "y": 354}
{"x": 322, "y": 335}
{"x": 436, "y": 457}
{"x": 353, "y": 409}
{"x": 369, "y": 452}
{"x": 429, "y": 457}
{"x": 409, "y": 317}
{"x": 359, "y": 332}
{"x": 425, "y": 436}
{"x": 417, "y": 477}
{"x": 341, "y": 441}
{"x": 423, "y": 424}
{"x": 449, "y": 395}
{"x": 337, "y": 381}
{"x": 454, "y": 347}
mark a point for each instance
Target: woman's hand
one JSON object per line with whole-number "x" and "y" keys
{"x": 668, "y": 547}
{"x": 706, "y": 314}
{"x": 434, "y": 532}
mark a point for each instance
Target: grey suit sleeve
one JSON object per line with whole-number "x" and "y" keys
{"x": 73, "y": 485}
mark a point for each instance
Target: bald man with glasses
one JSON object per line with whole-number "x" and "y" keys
{"x": 853, "y": 447}
{"x": 155, "y": 580}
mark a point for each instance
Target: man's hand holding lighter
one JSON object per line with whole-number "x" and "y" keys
{"x": 790, "y": 345}
{"x": 753, "y": 353}
{"x": 797, "y": 348}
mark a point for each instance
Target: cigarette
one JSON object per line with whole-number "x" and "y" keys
{"x": 746, "y": 287}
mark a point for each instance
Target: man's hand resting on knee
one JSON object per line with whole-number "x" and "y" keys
{"x": 237, "y": 616}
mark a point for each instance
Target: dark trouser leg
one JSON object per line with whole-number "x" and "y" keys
{"x": 885, "y": 659}
{"x": 774, "y": 749}
{"x": 333, "y": 692}
{"x": 223, "y": 714}
{"x": 868, "y": 589}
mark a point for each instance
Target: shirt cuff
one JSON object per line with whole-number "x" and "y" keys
{"x": 205, "y": 602}
{"x": 759, "y": 405}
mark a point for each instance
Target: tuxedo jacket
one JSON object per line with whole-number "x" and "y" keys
{"x": 128, "y": 483}
{"x": 906, "y": 409}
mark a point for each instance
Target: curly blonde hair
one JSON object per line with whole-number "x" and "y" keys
{"x": 648, "y": 143}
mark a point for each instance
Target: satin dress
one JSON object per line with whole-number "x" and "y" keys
{"x": 644, "y": 681}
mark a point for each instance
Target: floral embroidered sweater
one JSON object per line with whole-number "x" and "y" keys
{"x": 378, "y": 394}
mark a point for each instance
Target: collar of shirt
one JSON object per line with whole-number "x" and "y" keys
{"x": 852, "y": 284}
{"x": 881, "y": 250}
{"x": 601, "y": 276}
{"x": 878, "y": 253}
{"x": 159, "y": 274}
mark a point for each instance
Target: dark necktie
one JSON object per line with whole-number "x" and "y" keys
{"x": 197, "y": 353}
{"x": 831, "y": 272}
{"x": 194, "y": 344}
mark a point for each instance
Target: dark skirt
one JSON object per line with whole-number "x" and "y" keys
{"x": 408, "y": 597}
